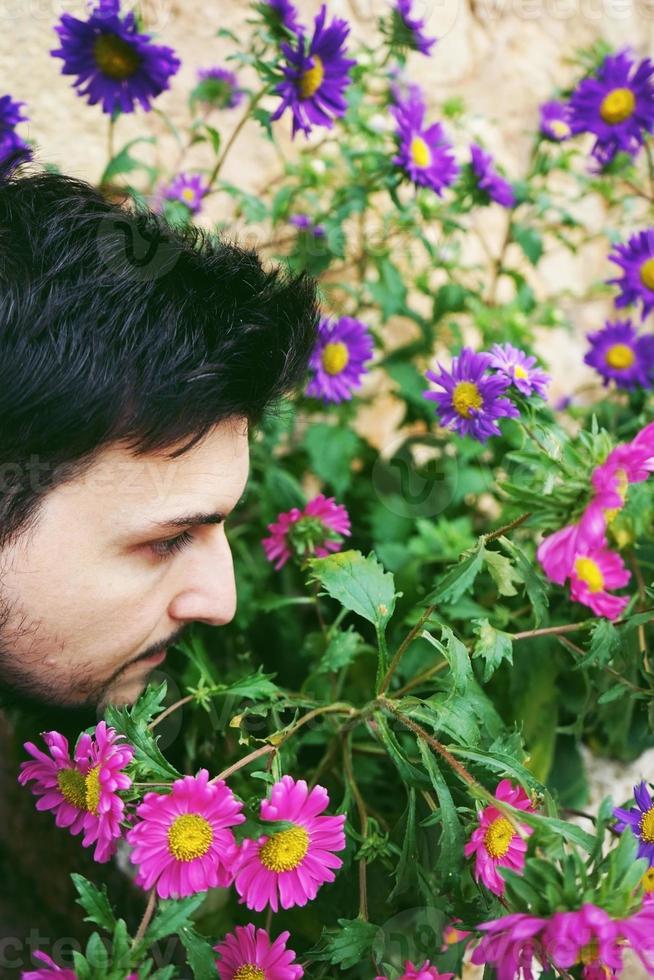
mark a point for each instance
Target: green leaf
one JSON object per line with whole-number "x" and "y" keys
{"x": 172, "y": 915}
{"x": 535, "y": 584}
{"x": 120, "y": 948}
{"x": 492, "y": 647}
{"x": 201, "y": 957}
{"x": 257, "y": 687}
{"x": 94, "y": 902}
{"x": 341, "y": 651}
{"x": 460, "y": 578}
{"x": 530, "y": 241}
{"x": 405, "y": 870}
{"x": 389, "y": 291}
{"x": 349, "y": 945}
{"x": 149, "y": 704}
{"x": 450, "y": 298}
{"x": 451, "y": 843}
{"x": 96, "y": 955}
{"x": 360, "y": 584}
{"x": 502, "y": 572}
{"x": 123, "y": 162}
{"x": 604, "y": 644}
{"x": 331, "y": 449}
{"x": 456, "y": 654}
{"x": 613, "y": 693}
{"x": 147, "y": 753}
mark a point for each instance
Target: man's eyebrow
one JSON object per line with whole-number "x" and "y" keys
{"x": 189, "y": 520}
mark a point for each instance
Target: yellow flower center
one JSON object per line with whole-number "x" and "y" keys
{"x": 420, "y": 152}
{"x": 189, "y": 837}
{"x": 648, "y": 880}
{"x": 619, "y": 356}
{"x": 560, "y": 128}
{"x": 590, "y": 573}
{"x": 335, "y": 357}
{"x": 114, "y": 57}
{"x": 286, "y": 850}
{"x": 647, "y": 826}
{"x": 465, "y": 397}
{"x": 589, "y": 953}
{"x": 498, "y": 837}
{"x": 92, "y": 789}
{"x": 647, "y": 273}
{"x": 73, "y": 787}
{"x": 248, "y": 971}
{"x": 188, "y": 194}
{"x": 311, "y": 79}
{"x": 617, "y": 106}
{"x": 520, "y": 372}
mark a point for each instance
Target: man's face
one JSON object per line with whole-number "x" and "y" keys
{"x": 91, "y": 595}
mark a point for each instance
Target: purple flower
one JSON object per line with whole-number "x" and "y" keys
{"x": 620, "y": 355}
{"x": 304, "y": 223}
{"x": 555, "y": 121}
{"x": 640, "y": 820}
{"x": 488, "y": 179}
{"x": 285, "y": 14}
{"x": 408, "y": 31}
{"x": 470, "y": 402}
{"x": 617, "y": 106}
{"x": 218, "y": 87}
{"x": 338, "y": 359}
{"x": 11, "y": 145}
{"x": 189, "y": 189}
{"x": 636, "y": 259}
{"x": 519, "y": 368}
{"x": 425, "y": 154}
{"x": 315, "y": 79}
{"x": 114, "y": 64}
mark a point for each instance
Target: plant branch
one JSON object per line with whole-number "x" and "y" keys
{"x": 147, "y": 915}
{"x": 363, "y": 820}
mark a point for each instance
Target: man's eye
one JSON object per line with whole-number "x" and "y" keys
{"x": 167, "y": 547}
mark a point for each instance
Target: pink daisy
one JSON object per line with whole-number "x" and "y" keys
{"x": 248, "y": 954}
{"x": 453, "y": 935}
{"x": 82, "y": 791}
{"x": 588, "y": 936}
{"x": 317, "y": 530}
{"x": 594, "y": 572}
{"x": 424, "y": 972}
{"x": 289, "y": 867}
{"x": 182, "y": 842}
{"x": 509, "y": 944}
{"x": 496, "y": 843}
{"x": 48, "y": 972}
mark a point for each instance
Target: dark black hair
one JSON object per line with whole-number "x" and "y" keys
{"x": 117, "y": 327}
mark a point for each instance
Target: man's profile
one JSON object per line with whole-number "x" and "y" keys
{"x": 134, "y": 360}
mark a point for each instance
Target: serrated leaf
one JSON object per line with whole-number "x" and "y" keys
{"x": 529, "y": 240}
{"x": 604, "y": 644}
{"x": 256, "y": 687}
{"x": 200, "y": 956}
{"x": 123, "y": 162}
{"x": 96, "y": 955}
{"x": 341, "y": 651}
{"x": 613, "y": 693}
{"x": 94, "y": 902}
{"x": 171, "y": 916}
{"x": 405, "y": 869}
{"x": 535, "y": 584}
{"x": 492, "y": 646}
{"x": 451, "y": 843}
{"x": 360, "y": 584}
{"x": 459, "y": 579}
{"x": 502, "y": 572}
{"x": 348, "y": 946}
{"x": 456, "y": 654}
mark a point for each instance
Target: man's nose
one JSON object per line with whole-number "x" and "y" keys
{"x": 206, "y": 588}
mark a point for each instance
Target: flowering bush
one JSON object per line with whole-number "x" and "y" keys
{"x": 380, "y": 767}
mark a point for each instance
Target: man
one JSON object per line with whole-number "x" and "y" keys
{"x": 134, "y": 360}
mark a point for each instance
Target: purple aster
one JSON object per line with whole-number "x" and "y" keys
{"x": 640, "y": 820}
{"x": 304, "y": 223}
{"x": 338, "y": 359}
{"x": 425, "y": 154}
{"x": 470, "y": 402}
{"x": 617, "y": 106}
{"x": 555, "y": 121}
{"x": 315, "y": 79}
{"x": 408, "y": 31}
{"x": 488, "y": 179}
{"x": 284, "y": 13}
{"x": 11, "y": 145}
{"x": 114, "y": 63}
{"x": 189, "y": 189}
{"x": 518, "y": 367}
{"x": 619, "y": 354}
{"x": 218, "y": 87}
{"x": 636, "y": 259}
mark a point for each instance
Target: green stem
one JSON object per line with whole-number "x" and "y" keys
{"x": 254, "y": 101}
{"x": 406, "y": 642}
{"x": 363, "y": 821}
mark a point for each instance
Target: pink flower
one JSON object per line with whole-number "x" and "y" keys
{"x": 558, "y": 551}
{"x": 638, "y": 931}
{"x": 248, "y": 953}
{"x": 509, "y": 945}
{"x": 453, "y": 935}
{"x": 593, "y": 573}
{"x": 424, "y": 972}
{"x": 588, "y": 936}
{"x": 496, "y": 843}
{"x": 317, "y": 530}
{"x": 82, "y": 791}
{"x": 50, "y": 972}
{"x": 289, "y": 867}
{"x": 182, "y": 843}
